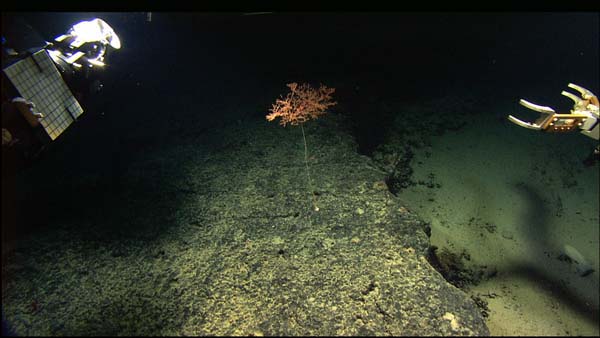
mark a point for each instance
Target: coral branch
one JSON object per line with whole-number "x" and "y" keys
{"x": 301, "y": 104}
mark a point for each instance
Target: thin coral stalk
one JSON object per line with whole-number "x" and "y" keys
{"x": 301, "y": 104}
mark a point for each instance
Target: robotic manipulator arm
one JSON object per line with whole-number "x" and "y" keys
{"x": 584, "y": 116}
{"x": 84, "y": 45}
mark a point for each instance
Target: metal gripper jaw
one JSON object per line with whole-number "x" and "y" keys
{"x": 583, "y": 116}
{"x": 580, "y": 103}
{"x": 547, "y": 113}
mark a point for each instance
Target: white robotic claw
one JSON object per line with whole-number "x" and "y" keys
{"x": 584, "y": 115}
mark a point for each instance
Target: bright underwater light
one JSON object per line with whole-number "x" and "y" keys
{"x": 94, "y": 30}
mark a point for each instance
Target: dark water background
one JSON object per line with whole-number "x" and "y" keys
{"x": 218, "y": 62}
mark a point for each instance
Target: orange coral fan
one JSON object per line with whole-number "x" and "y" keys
{"x": 301, "y": 104}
